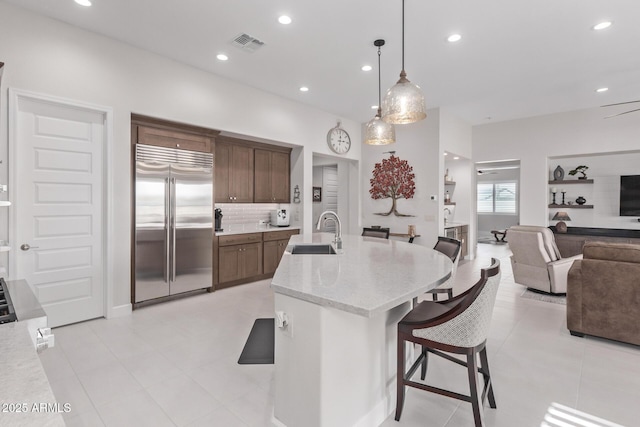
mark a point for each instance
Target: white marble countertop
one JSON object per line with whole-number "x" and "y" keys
{"x": 369, "y": 276}
{"x": 454, "y": 224}
{"x": 24, "y": 388}
{"x": 253, "y": 227}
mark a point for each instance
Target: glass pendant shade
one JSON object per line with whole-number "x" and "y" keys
{"x": 379, "y": 132}
{"x": 404, "y": 102}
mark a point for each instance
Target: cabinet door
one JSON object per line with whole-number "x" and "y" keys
{"x": 263, "y": 192}
{"x": 229, "y": 267}
{"x": 241, "y": 174}
{"x": 271, "y": 255}
{"x": 222, "y": 162}
{"x": 251, "y": 260}
{"x": 280, "y": 185}
{"x": 173, "y": 139}
{"x": 271, "y": 177}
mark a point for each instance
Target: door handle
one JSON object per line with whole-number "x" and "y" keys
{"x": 26, "y": 247}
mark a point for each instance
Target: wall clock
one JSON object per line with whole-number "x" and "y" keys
{"x": 338, "y": 140}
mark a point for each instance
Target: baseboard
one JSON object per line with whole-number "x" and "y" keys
{"x": 119, "y": 311}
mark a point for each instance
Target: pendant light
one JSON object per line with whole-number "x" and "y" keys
{"x": 404, "y": 102}
{"x": 377, "y": 131}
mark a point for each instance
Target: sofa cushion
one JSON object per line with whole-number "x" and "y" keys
{"x": 621, "y": 252}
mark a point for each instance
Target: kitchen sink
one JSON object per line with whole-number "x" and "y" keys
{"x": 312, "y": 250}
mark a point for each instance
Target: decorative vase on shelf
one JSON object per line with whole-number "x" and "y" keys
{"x": 581, "y": 200}
{"x": 558, "y": 174}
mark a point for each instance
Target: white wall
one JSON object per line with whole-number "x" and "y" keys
{"x": 419, "y": 144}
{"x": 49, "y": 57}
{"x": 534, "y": 140}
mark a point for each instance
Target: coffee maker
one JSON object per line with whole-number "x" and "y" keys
{"x": 218, "y": 219}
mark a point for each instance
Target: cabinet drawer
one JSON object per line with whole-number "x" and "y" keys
{"x": 239, "y": 239}
{"x": 278, "y": 235}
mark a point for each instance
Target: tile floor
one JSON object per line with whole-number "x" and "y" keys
{"x": 174, "y": 364}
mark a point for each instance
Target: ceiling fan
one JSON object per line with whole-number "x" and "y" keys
{"x": 622, "y": 103}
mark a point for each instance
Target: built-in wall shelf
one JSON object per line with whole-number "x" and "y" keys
{"x": 571, "y": 206}
{"x": 573, "y": 181}
{"x": 449, "y": 203}
{"x": 449, "y": 183}
{"x": 5, "y": 203}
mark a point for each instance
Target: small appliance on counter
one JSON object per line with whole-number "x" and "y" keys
{"x": 280, "y": 218}
{"x": 218, "y": 217}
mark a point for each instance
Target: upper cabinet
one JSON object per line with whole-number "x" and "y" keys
{"x": 234, "y": 173}
{"x": 249, "y": 172}
{"x": 162, "y": 133}
{"x": 271, "y": 177}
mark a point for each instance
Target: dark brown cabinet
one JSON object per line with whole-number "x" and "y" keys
{"x": 271, "y": 178}
{"x": 234, "y": 173}
{"x": 274, "y": 245}
{"x": 239, "y": 261}
{"x": 248, "y": 172}
{"x": 162, "y": 133}
{"x": 243, "y": 258}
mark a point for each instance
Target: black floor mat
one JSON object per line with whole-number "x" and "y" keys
{"x": 259, "y": 348}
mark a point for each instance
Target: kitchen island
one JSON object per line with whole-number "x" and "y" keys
{"x": 335, "y": 360}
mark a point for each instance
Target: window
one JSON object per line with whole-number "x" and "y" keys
{"x": 498, "y": 197}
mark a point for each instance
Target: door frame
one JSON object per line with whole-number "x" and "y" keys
{"x": 15, "y": 96}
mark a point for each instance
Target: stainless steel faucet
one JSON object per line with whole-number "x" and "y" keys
{"x": 445, "y": 217}
{"x": 338, "y": 238}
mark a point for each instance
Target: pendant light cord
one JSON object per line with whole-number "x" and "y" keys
{"x": 379, "y": 84}
{"x": 402, "y": 35}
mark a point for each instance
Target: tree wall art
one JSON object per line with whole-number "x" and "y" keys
{"x": 392, "y": 179}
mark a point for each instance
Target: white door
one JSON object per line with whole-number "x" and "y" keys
{"x": 58, "y": 197}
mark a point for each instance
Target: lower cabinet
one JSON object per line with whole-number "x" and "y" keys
{"x": 240, "y": 261}
{"x": 460, "y": 232}
{"x": 244, "y": 258}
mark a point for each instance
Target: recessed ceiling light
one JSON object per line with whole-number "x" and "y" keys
{"x": 446, "y": 154}
{"x": 602, "y": 89}
{"x": 374, "y": 107}
{"x": 367, "y": 68}
{"x": 602, "y": 25}
{"x": 284, "y": 20}
{"x": 84, "y": 2}
{"x": 222, "y": 57}
{"x": 456, "y": 158}
{"x": 304, "y": 89}
{"x": 454, "y": 38}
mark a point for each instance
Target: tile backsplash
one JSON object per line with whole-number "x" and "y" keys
{"x": 244, "y": 213}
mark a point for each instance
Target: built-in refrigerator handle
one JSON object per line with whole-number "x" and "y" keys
{"x": 172, "y": 190}
{"x": 167, "y": 227}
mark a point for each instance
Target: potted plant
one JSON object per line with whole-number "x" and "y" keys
{"x": 582, "y": 169}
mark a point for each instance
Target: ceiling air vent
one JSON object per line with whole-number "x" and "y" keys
{"x": 247, "y": 43}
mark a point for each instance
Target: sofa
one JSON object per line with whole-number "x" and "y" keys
{"x": 536, "y": 260}
{"x": 603, "y": 292}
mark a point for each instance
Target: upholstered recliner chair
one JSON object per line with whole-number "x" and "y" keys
{"x": 536, "y": 260}
{"x": 603, "y": 294}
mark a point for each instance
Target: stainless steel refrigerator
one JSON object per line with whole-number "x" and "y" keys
{"x": 173, "y": 211}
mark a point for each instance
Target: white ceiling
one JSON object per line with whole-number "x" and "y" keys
{"x": 517, "y": 58}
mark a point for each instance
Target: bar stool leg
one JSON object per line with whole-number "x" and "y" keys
{"x": 484, "y": 364}
{"x": 476, "y": 394}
